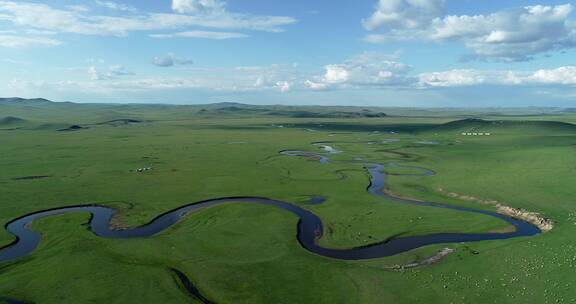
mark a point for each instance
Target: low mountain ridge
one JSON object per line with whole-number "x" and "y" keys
{"x": 23, "y": 101}
{"x": 495, "y": 126}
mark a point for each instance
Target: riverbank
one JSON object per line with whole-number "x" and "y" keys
{"x": 429, "y": 261}
{"x": 535, "y": 218}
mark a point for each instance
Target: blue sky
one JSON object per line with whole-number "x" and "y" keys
{"x": 389, "y": 52}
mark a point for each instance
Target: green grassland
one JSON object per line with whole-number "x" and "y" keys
{"x": 249, "y": 253}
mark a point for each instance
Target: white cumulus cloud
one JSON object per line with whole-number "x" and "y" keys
{"x": 283, "y": 86}
{"x": 404, "y": 14}
{"x": 368, "y": 69}
{"x": 112, "y": 72}
{"x": 565, "y": 75}
{"x": 508, "y": 35}
{"x": 560, "y": 76}
{"x": 199, "y": 6}
{"x": 452, "y": 78}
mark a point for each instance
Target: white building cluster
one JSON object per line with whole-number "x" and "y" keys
{"x": 476, "y": 134}
{"x": 144, "y": 169}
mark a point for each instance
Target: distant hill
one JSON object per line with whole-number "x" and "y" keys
{"x": 227, "y": 104}
{"x": 120, "y": 122}
{"x": 72, "y": 128}
{"x": 11, "y": 120}
{"x": 24, "y": 101}
{"x": 504, "y": 126}
{"x": 228, "y": 108}
{"x": 43, "y": 113}
{"x": 216, "y": 109}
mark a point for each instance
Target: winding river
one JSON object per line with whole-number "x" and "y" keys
{"x": 309, "y": 228}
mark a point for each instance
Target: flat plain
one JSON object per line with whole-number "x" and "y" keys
{"x": 63, "y": 154}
